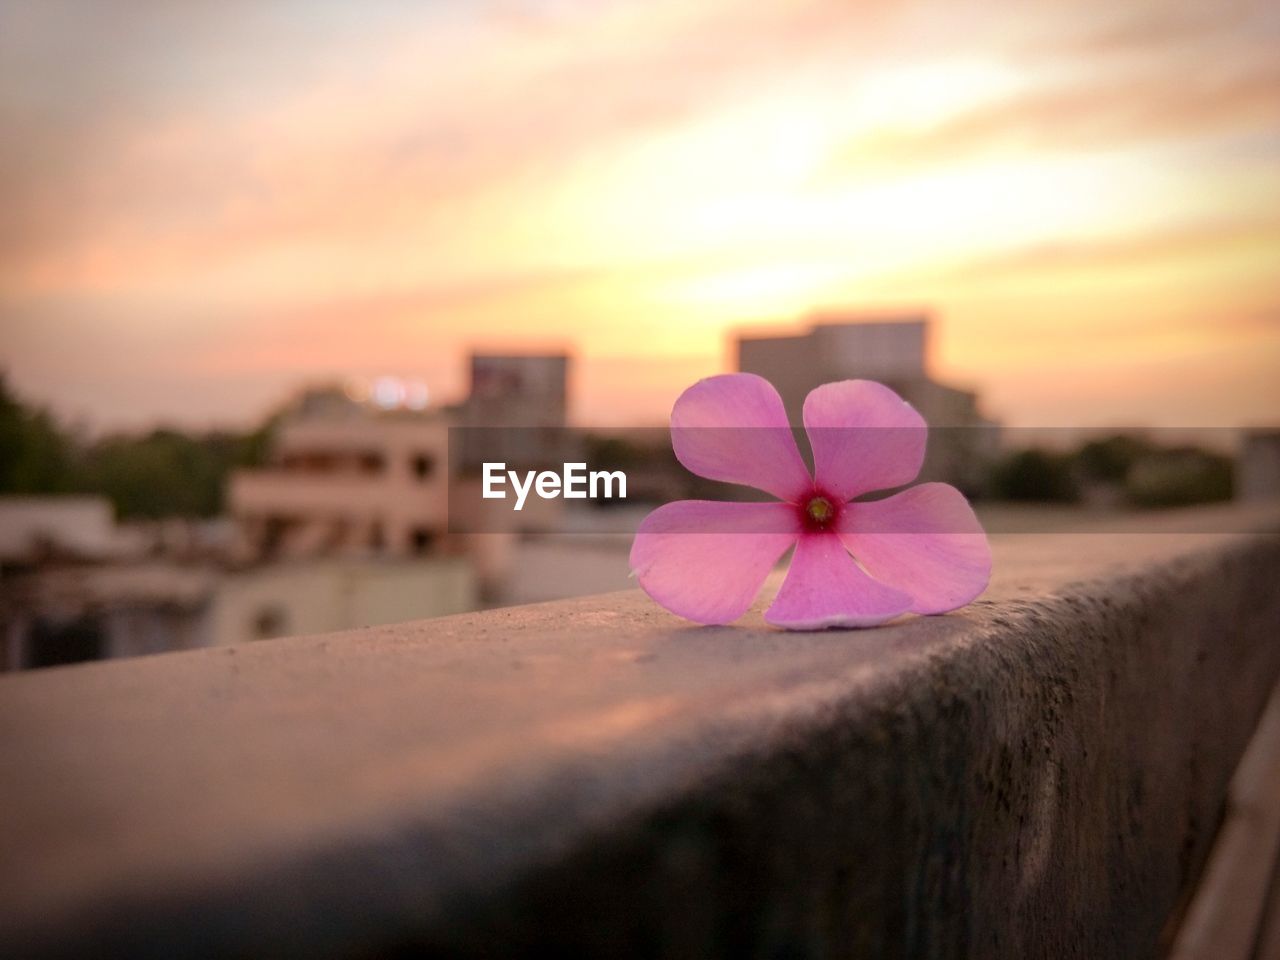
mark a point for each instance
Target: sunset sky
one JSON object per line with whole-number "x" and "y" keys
{"x": 206, "y": 204}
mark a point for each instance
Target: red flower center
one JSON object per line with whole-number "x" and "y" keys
{"x": 819, "y": 512}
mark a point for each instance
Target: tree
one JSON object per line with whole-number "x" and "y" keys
{"x": 1110, "y": 459}
{"x": 35, "y": 455}
{"x": 1180, "y": 477}
{"x": 158, "y": 474}
{"x": 166, "y": 472}
{"x": 1035, "y": 475}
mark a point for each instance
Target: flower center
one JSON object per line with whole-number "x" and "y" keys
{"x": 820, "y": 511}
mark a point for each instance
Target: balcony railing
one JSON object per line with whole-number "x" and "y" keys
{"x": 1042, "y": 774}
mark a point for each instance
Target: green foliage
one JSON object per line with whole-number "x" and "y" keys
{"x": 35, "y": 456}
{"x": 1180, "y": 477}
{"x": 1141, "y": 473}
{"x": 1035, "y": 475}
{"x": 158, "y": 474}
{"x": 615, "y": 453}
{"x": 1109, "y": 460}
{"x": 163, "y": 473}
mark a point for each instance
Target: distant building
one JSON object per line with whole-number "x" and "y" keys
{"x": 322, "y": 595}
{"x": 76, "y": 586}
{"x": 894, "y": 351}
{"x": 357, "y": 478}
{"x": 346, "y": 479}
{"x": 518, "y": 390}
{"x": 515, "y": 413}
{"x": 68, "y": 612}
{"x": 1259, "y": 465}
{"x": 83, "y": 527}
{"x": 347, "y": 526}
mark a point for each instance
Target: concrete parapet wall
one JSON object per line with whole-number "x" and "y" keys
{"x": 1039, "y": 775}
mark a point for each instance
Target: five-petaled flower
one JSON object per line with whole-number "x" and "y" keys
{"x": 857, "y": 563}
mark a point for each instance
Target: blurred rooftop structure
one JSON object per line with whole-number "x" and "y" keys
{"x": 368, "y": 473}
{"x": 346, "y": 525}
{"x": 346, "y": 481}
{"x": 1259, "y": 464}
{"x": 78, "y": 527}
{"x": 518, "y": 390}
{"x": 890, "y": 348}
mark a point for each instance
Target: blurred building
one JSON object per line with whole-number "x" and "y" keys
{"x": 1259, "y": 465}
{"x": 346, "y": 479}
{"x": 34, "y": 527}
{"x": 69, "y": 612}
{"x": 518, "y": 390}
{"x": 336, "y": 593}
{"x": 356, "y": 476}
{"x": 347, "y": 525}
{"x": 515, "y": 413}
{"x": 894, "y": 351}
{"x": 75, "y": 585}
{"x": 370, "y": 474}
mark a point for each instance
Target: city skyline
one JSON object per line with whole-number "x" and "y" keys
{"x": 210, "y": 205}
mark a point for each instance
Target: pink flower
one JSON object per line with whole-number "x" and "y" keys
{"x": 856, "y": 563}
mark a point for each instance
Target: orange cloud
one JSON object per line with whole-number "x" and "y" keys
{"x": 1107, "y": 113}
{"x": 252, "y": 194}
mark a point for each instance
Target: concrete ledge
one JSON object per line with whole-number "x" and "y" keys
{"x": 1230, "y": 917}
{"x": 1041, "y": 774}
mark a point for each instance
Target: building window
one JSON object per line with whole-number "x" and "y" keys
{"x": 422, "y": 465}
{"x": 421, "y": 540}
{"x": 51, "y": 642}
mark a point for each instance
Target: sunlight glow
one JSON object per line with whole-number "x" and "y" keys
{"x": 635, "y": 181}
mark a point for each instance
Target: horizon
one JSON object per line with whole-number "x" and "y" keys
{"x": 210, "y": 206}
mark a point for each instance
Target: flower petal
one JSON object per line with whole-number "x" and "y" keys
{"x": 733, "y": 427}
{"x": 825, "y": 588}
{"x": 706, "y": 560}
{"x": 864, "y": 437}
{"x": 925, "y": 541}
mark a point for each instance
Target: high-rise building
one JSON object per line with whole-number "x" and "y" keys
{"x": 515, "y": 413}
{"x": 892, "y": 349}
{"x": 518, "y": 390}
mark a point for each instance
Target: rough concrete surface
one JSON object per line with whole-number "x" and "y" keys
{"x": 1038, "y": 775}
